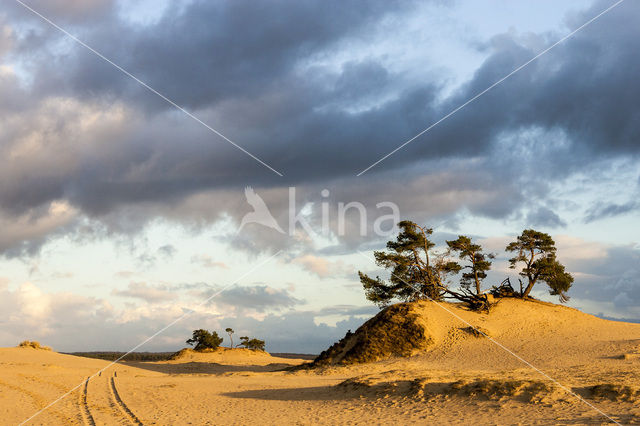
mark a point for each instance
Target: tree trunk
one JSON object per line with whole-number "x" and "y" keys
{"x": 532, "y": 280}
{"x": 528, "y": 289}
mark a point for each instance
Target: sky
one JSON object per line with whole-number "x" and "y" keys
{"x": 124, "y": 167}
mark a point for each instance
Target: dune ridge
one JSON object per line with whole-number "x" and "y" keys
{"x": 412, "y": 329}
{"x": 228, "y": 356}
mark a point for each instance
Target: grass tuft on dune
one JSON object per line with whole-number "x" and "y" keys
{"x": 33, "y": 344}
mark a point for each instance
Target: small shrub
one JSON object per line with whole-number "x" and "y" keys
{"x": 33, "y": 344}
{"x": 394, "y": 331}
{"x": 253, "y": 344}
{"x": 203, "y": 339}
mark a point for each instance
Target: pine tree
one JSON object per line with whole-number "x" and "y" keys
{"x": 253, "y": 343}
{"x": 416, "y": 272}
{"x": 230, "y": 332}
{"x": 537, "y": 251}
{"x": 203, "y": 339}
{"x": 479, "y": 262}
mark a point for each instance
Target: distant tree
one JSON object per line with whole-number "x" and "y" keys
{"x": 537, "y": 251}
{"x": 479, "y": 262}
{"x": 416, "y": 271}
{"x": 203, "y": 339}
{"x": 253, "y": 344}
{"x": 230, "y": 333}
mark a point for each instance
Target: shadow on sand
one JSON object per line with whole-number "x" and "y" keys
{"x": 315, "y": 393}
{"x": 195, "y": 367}
{"x": 554, "y": 414}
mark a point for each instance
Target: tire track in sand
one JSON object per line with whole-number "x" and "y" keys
{"x": 120, "y": 403}
{"x": 85, "y": 412}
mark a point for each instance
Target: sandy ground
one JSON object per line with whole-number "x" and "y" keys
{"x": 462, "y": 379}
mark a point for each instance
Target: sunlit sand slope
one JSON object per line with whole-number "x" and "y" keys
{"x": 452, "y": 376}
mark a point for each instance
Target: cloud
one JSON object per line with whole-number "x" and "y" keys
{"x": 24, "y": 234}
{"x": 31, "y": 312}
{"x": 256, "y": 49}
{"x": 51, "y": 147}
{"x": 125, "y": 274}
{"x": 167, "y": 250}
{"x": 71, "y": 322}
{"x": 143, "y": 291}
{"x": 625, "y": 289}
{"x": 603, "y": 211}
{"x": 64, "y": 11}
{"x": 257, "y": 298}
{"x": 207, "y": 261}
{"x": 297, "y": 331}
{"x": 6, "y": 38}
{"x": 546, "y": 217}
{"x": 85, "y": 134}
{"x": 576, "y": 249}
{"x": 605, "y": 275}
{"x": 249, "y": 299}
{"x": 576, "y": 114}
{"x": 324, "y": 268}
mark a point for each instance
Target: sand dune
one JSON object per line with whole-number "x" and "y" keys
{"x": 453, "y": 376}
{"x": 235, "y": 356}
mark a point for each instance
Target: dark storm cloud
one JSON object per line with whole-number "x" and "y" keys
{"x": 300, "y": 331}
{"x": 585, "y": 91}
{"x": 603, "y": 209}
{"x": 610, "y": 210}
{"x": 205, "y": 53}
{"x": 65, "y": 11}
{"x": 255, "y": 298}
{"x": 238, "y": 58}
{"x": 248, "y": 69}
{"x": 258, "y": 298}
{"x": 605, "y": 274}
{"x": 545, "y": 217}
